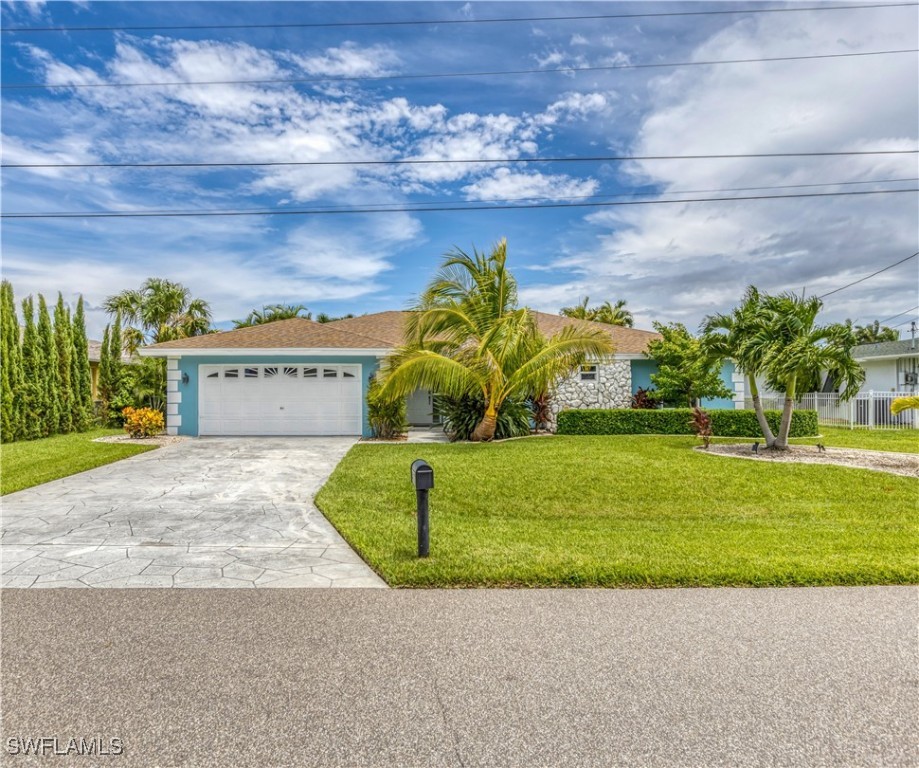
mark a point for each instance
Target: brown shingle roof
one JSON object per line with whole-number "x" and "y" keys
{"x": 390, "y": 327}
{"x": 296, "y": 333}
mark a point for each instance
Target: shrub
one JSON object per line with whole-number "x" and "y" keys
{"x": 675, "y": 421}
{"x": 701, "y": 424}
{"x": 462, "y": 414}
{"x": 645, "y": 399}
{"x": 143, "y": 422}
{"x": 386, "y": 417}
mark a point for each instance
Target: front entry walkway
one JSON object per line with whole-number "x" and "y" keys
{"x": 211, "y": 512}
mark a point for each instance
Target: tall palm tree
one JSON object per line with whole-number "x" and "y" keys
{"x": 470, "y": 337}
{"x": 875, "y": 332}
{"x": 796, "y": 350}
{"x": 271, "y": 313}
{"x": 736, "y": 336}
{"x": 614, "y": 314}
{"x": 161, "y": 310}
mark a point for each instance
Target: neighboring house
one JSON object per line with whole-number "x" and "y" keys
{"x": 890, "y": 366}
{"x": 299, "y": 377}
{"x": 94, "y": 347}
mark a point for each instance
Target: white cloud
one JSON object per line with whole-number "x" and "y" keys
{"x": 506, "y": 184}
{"x": 349, "y": 60}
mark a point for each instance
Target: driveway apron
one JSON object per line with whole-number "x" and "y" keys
{"x": 209, "y": 512}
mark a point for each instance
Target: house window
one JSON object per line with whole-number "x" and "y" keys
{"x": 588, "y": 373}
{"x": 330, "y": 373}
{"x": 251, "y": 373}
{"x": 270, "y": 372}
{"x": 290, "y": 372}
{"x": 309, "y": 373}
{"x": 231, "y": 373}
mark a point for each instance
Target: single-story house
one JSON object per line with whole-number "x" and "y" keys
{"x": 890, "y": 366}
{"x": 299, "y": 377}
{"x": 94, "y": 350}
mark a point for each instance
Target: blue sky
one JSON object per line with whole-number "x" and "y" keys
{"x": 673, "y": 262}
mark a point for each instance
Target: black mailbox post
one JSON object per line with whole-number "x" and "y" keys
{"x": 423, "y": 480}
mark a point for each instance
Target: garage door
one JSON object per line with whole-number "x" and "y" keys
{"x": 279, "y": 400}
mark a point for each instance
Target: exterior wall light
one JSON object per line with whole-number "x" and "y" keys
{"x": 184, "y": 377}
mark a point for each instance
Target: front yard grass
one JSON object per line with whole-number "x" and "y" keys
{"x": 900, "y": 440}
{"x": 34, "y": 462}
{"x": 611, "y": 511}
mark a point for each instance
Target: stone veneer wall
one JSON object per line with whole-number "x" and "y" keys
{"x": 611, "y": 389}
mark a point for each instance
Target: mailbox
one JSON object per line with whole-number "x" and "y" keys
{"x": 422, "y": 475}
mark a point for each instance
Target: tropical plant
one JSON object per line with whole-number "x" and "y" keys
{"x": 900, "y": 404}
{"x": 323, "y": 317}
{"x": 645, "y": 399}
{"x": 161, "y": 310}
{"x": 798, "y": 351}
{"x": 386, "y": 415}
{"x": 741, "y": 337}
{"x": 272, "y": 313}
{"x": 874, "y": 333}
{"x": 461, "y": 416}
{"x": 143, "y": 422}
{"x": 607, "y": 312}
{"x": 10, "y": 367}
{"x": 81, "y": 375}
{"x": 686, "y": 370}
{"x": 469, "y": 337}
{"x": 701, "y": 424}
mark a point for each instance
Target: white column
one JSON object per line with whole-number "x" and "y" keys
{"x": 173, "y": 396}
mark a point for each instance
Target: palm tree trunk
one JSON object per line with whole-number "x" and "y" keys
{"x": 485, "y": 429}
{"x": 760, "y": 413}
{"x": 781, "y": 442}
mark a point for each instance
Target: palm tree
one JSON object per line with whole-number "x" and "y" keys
{"x": 160, "y": 310}
{"x": 796, "y": 350}
{"x": 736, "y": 336}
{"x": 614, "y": 314}
{"x": 579, "y": 311}
{"x": 874, "y": 333}
{"x": 469, "y": 337}
{"x": 271, "y": 313}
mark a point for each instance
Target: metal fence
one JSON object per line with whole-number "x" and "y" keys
{"x": 866, "y": 409}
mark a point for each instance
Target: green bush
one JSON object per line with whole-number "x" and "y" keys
{"x": 386, "y": 417}
{"x": 461, "y": 415}
{"x": 676, "y": 421}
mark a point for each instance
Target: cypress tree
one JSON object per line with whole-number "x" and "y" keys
{"x": 63, "y": 341}
{"x": 81, "y": 376}
{"x": 33, "y": 369}
{"x": 10, "y": 367}
{"x": 105, "y": 375}
{"x": 52, "y": 377}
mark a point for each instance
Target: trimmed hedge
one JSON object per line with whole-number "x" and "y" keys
{"x": 675, "y": 421}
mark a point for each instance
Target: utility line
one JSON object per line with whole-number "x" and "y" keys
{"x": 438, "y": 22}
{"x": 481, "y": 160}
{"x": 415, "y": 209}
{"x": 442, "y": 75}
{"x": 868, "y": 277}
{"x": 899, "y": 314}
{"x": 911, "y": 320}
{"x": 607, "y": 196}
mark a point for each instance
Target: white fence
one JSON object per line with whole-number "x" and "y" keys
{"x": 866, "y": 409}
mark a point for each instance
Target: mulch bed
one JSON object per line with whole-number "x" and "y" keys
{"x": 906, "y": 464}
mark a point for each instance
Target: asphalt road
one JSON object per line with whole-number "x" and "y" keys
{"x": 732, "y": 677}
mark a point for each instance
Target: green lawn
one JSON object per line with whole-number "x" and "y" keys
{"x": 902, "y": 440}
{"x": 33, "y": 462}
{"x": 623, "y": 511}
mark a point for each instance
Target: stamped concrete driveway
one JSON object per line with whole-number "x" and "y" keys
{"x": 211, "y": 512}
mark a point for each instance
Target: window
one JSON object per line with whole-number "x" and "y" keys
{"x": 588, "y": 373}
{"x": 310, "y": 373}
{"x": 290, "y": 372}
{"x": 214, "y": 375}
{"x": 329, "y": 373}
{"x": 270, "y": 371}
{"x": 251, "y": 373}
{"x": 347, "y": 374}
{"x": 231, "y": 373}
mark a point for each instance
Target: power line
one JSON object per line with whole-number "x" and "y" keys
{"x": 911, "y": 320}
{"x": 439, "y": 22}
{"x": 481, "y": 160}
{"x": 441, "y": 75}
{"x": 899, "y": 314}
{"x": 608, "y": 196}
{"x": 415, "y": 209}
{"x": 868, "y": 277}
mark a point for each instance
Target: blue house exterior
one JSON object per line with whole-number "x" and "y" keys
{"x": 641, "y": 379}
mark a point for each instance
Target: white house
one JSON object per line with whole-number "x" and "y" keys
{"x": 890, "y": 366}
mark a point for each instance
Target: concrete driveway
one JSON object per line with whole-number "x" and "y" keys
{"x": 211, "y": 512}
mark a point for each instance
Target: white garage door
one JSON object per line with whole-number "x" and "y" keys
{"x": 280, "y": 399}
